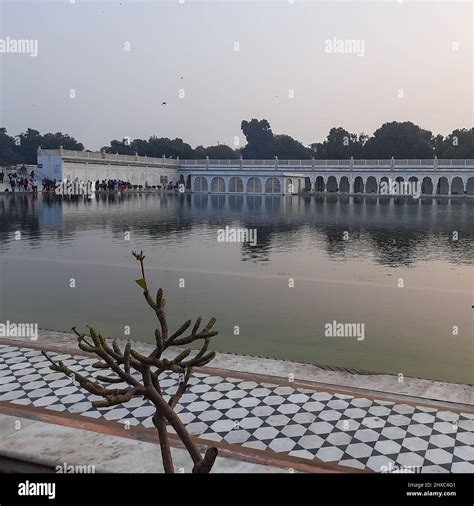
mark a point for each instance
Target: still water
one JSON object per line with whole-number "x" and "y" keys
{"x": 403, "y": 268}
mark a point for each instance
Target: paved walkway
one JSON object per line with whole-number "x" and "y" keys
{"x": 328, "y": 428}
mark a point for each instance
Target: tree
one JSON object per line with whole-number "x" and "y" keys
{"x": 30, "y": 140}
{"x": 55, "y": 141}
{"x": 121, "y": 147}
{"x": 142, "y": 373}
{"x": 400, "y": 140}
{"x": 28, "y": 145}
{"x": 200, "y": 152}
{"x": 8, "y": 152}
{"x": 340, "y": 145}
{"x": 259, "y": 137}
{"x": 458, "y": 144}
{"x": 287, "y": 148}
{"x": 154, "y": 147}
{"x": 220, "y": 152}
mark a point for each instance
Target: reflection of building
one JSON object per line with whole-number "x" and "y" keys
{"x": 50, "y": 212}
{"x": 430, "y": 177}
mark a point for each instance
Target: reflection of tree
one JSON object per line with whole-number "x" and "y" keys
{"x": 261, "y": 251}
{"x": 397, "y": 249}
{"x": 336, "y": 245}
{"x": 19, "y": 214}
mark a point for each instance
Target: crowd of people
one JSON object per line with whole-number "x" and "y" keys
{"x": 118, "y": 185}
{"x": 112, "y": 185}
{"x": 21, "y": 182}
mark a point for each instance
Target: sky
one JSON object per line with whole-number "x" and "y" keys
{"x": 103, "y": 69}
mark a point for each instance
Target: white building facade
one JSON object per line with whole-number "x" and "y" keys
{"x": 433, "y": 177}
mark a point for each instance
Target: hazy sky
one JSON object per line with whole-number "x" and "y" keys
{"x": 416, "y": 64}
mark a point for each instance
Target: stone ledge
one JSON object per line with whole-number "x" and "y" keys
{"x": 40, "y": 447}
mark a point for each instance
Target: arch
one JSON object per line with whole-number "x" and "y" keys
{"x": 470, "y": 186}
{"x": 443, "y": 186}
{"x": 457, "y": 186}
{"x": 358, "y": 185}
{"x": 344, "y": 185}
{"x": 200, "y": 184}
{"x": 384, "y": 185}
{"x": 320, "y": 185}
{"x": 236, "y": 185}
{"x": 331, "y": 185}
{"x": 272, "y": 185}
{"x": 371, "y": 185}
{"x": 307, "y": 184}
{"x": 401, "y": 186}
{"x": 414, "y": 186}
{"x": 427, "y": 186}
{"x": 218, "y": 185}
{"x": 254, "y": 185}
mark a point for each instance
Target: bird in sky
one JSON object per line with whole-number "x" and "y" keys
{"x": 163, "y": 103}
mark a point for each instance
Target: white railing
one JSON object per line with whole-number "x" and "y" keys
{"x": 382, "y": 164}
{"x": 274, "y": 164}
{"x": 100, "y": 156}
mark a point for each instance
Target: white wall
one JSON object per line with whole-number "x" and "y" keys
{"x": 136, "y": 175}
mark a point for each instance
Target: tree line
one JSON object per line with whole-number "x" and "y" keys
{"x": 397, "y": 139}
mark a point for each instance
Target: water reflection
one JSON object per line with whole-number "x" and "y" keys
{"x": 395, "y": 230}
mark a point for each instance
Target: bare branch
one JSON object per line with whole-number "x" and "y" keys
{"x": 191, "y": 338}
{"x": 181, "y": 389}
{"x": 180, "y": 331}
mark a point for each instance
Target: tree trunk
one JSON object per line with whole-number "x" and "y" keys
{"x": 160, "y": 424}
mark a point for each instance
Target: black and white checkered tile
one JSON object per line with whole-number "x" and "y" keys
{"x": 341, "y": 429}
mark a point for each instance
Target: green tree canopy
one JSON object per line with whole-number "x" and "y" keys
{"x": 220, "y": 152}
{"x": 458, "y": 144}
{"x": 30, "y": 140}
{"x": 287, "y": 148}
{"x": 400, "y": 140}
{"x": 9, "y": 155}
{"x": 259, "y": 137}
{"x": 340, "y": 144}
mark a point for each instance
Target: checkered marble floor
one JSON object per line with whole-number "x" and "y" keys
{"x": 342, "y": 429}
